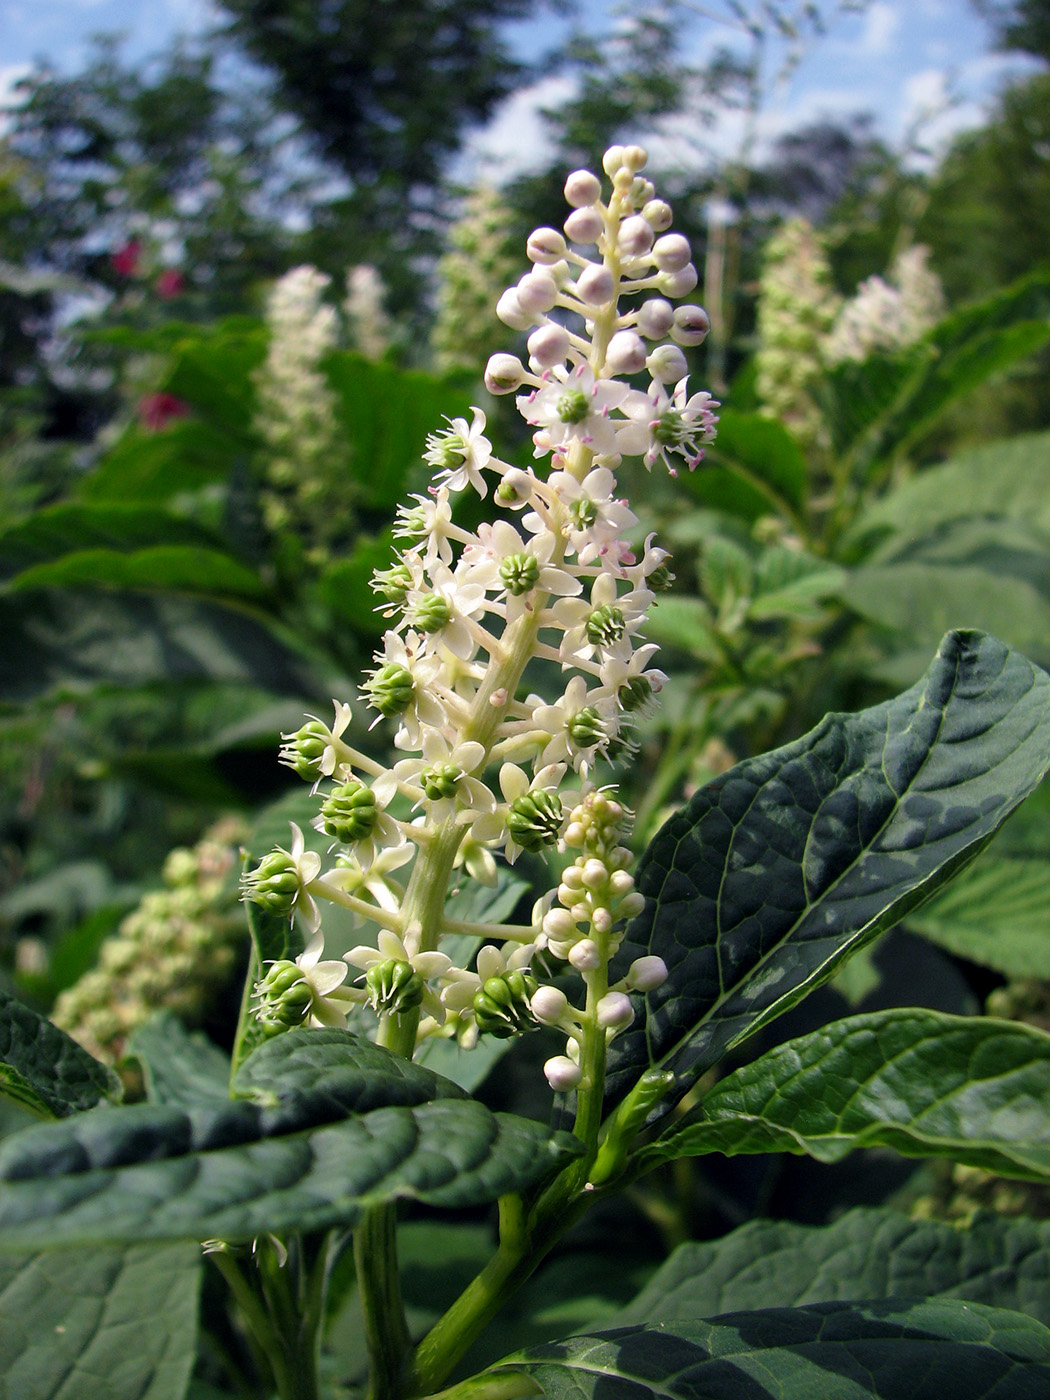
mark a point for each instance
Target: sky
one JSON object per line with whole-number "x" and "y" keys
{"x": 896, "y": 59}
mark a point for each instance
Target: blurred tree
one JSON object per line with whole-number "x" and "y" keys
{"x": 1021, "y": 25}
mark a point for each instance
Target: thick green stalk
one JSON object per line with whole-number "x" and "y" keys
{"x": 383, "y": 1313}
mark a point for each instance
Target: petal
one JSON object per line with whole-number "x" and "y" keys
{"x": 326, "y": 976}
{"x": 513, "y": 781}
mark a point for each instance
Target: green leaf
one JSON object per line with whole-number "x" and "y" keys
{"x": 45, "y": 1071}
{"x": 993, "y": 914}
{"x": 777, "y": 871}
{"x": 767, "y": 463}
{"x": 866, "y": 1253}
{"x": 116, "y": 1323}
{"x": 55, "y": 531}
{"x": 142, "y": 466}
{"x": 856, "y": 397}
{"x": 927, "y": 1084}
{"x": 895, "y": 1350}
{"x": 789, "y": 583}
{"x": 212, "y": 370}
{"x": 180, "y": 1067}
{"x": 237, "y": 1170}
{"x": 685, "y": 624}
{"x": 168, "y": 568}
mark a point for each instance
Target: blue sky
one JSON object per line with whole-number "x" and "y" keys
{"x": 894, "y": 59}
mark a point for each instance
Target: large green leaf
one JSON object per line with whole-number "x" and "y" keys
{"x": 175, "y": 568}
{"x": 180, "y": 1067}
{"x": 43, "y": 1069}
{"x": 113, "y": 1323}
{"x": 778, "y": 870}
{"x": 857, "y": 396}
{"x": 993, "y": 914}
{"x": 896, "y": 1350}
{"x": 927, "y": 1084}
{"x": 291, "y": 1158}
{"x": 866, "y": 1253}
{"x": 144, "y": 466}
{"x": 58, "y": 530}
{"x": 753, "y": 466}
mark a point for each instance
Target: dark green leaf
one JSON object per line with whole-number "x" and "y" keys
{"x": 58, "y": 530}
{"x": 866, "y": 1253}
{"x": 927, "y": 1084}
{"x": 180, "y": 1067}
{"x": 993, "y": 914}
{"x": 143, "y": 466}
{"x": 762, "y": 454}
{"x": 112, "y": 1323}
{"x": 897, "y": 1350}
{"x": 169, "y": 568}
{"x": 778, "y": 870}
{"x": 237, "y": 1170}
{"x": 856, "y": 397}
{"x": 43, "y": 1069}
{"x": 213, "y": 372}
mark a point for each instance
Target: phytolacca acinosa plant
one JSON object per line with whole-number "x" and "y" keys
{"x": 558, "y": 577}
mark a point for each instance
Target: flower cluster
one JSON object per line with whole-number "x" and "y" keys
{"x": 889, "y": 314}
{"x": 487, "y": 767}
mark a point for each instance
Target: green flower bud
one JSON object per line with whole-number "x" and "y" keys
{"x": 393, "y": 986}
{"x": 583, "y": 512}
{"x": 572, "y": 406}
{"x": 303, "y": 749}
{"x": 391, "y": 690}
{"x": 274, "y": 883}
{"x": 520, "y": 573}
{"x": 534, "y": 819}
{"x": 586, "y": 728}
{"x": 605, "y": 625}
{"x": 440, "y": 780}
{"x": 349, "y": 812}
{"x": 446, "y": 451}
{"x": 660, "y": 579}
{"x": 393, "y": 583}
{"x": 501, "y": 1005}
{"x": 285, "y": 998}
{"x": 432, "y": 613}
{"x": 635, "y": 694}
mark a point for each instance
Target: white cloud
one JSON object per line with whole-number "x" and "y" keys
{"x": 515, "y": 141}
{"x": 881, "y": 23}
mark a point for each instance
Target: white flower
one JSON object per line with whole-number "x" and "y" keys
{"x": 573, "y": 406}
{"x": 658, "y": 423}
{"x": 596, "y": 519}
{"x": 429, "y": 518}
{"x": 375, "y": 880}
{"x": 307, "y": 867}
{"x": 560, "y": 735}
{"x": 441, "y": 778}
{"x": 462, "y": 985}
{"x": 619, "y": 674}
{"x": 501, "y": 560}
{"x": 391, "y": 949}
{"x": 440, "y": 611}
{"x": 330, "y": 999}
{"x": 425, "y": 708}
{"x": 541, "y": 820}
{"x": 461, "y": 453}
{"x": 603, "y": 625}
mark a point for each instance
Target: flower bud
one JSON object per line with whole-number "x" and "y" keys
{"x": 515, "y": 489}
{"x": 615, "y": 1011}
{"x": 612, "y": 160}
{"x": 626, "y": 353}
{"x": 585, "y": 956}
{"x": 645, "y": 974}
{"x": 621, "y": 882}
{"x": 391, "y": 690}
{"x": 545, "y": 245}
{"x": 667, "y": 364}
{"x": 501, "y": 1005}
{"x": 285, "y": 998}
{"x": 671, "y": 252}
{"x": 635, "y": 158}
{"x": 393, "y": 986}
{"x": 632, "y": 905}
{"x": 582, "y": 188}
{"x": 537, "y": 292}
{"x": 601, "y": 920}
{"x": 559, "y": 924}
{"x": 503, "y": 374}
{"x": 657, "y": 214}
{"x": 595, "y": 285}
{"x": 595, "y": 873}
{"x": 303, "y": 749}
{"x": 584, "y": 226}
{"x": 655, "y": 318}
{"x": 635, "y": 236}
{"x": 511, "y": 312}
{"x": 678, "y": 284}
{"x": 691, "y": 325}
{"x": 549, "y": 1005}
{"x": 548, "y": 346}
{"x": 274, "y": 883}
{"x": 534, "y": 819}
{"x": 562, "y": 1074}
{"x": 349, "y": 813}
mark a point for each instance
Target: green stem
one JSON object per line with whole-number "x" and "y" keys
{"x": 508, "y": 1385}
{"x": 293, "y": 1379}
{"x": 379, "y": 1288}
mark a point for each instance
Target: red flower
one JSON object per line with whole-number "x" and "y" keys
{"x": 157, "y": 410}
{"x": 169, "y": 284}
{"x": 125, "y": 261}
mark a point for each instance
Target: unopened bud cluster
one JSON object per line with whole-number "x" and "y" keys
{"x": 487, "y": 768}
{"x": 175, "y": 951}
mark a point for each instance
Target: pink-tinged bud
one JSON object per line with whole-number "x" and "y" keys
{"x": 636, "y": 236}
{"x": 595, "y": 285}
{"x": 615, "y": 1011}
{"x": 582, "y": 188}
{"x": 619, "y": 858}
{"x": 548, "y": 1005}
{"x": 562, "y": 1074}
{"x": 584, "y": 226}
{"x": 595, "y": 873}
{"x": 548, "y": 346}
{"x": 585, "y": 956}
{"x": 672, "y": 252}
{"x": 503, "y": 374}
{"x": 612, "y": 160}
{"x": 602, "y": 920}
{"x": 646, "y": 974}
{"x": 678, "y": 284}
{"x": 635, "y": 158}
{"x": 667, "y": 364}
{"x": 545, "y": 245}
{"x": 537, "y": 292}
{"x": 691, "y": 325}
{"x": 626, "y": 353}
{"x": 655, "y": 318}
{"x": 657, "y": 214}
{"x": 621, "y": 882}
{"x": 511, "y": 312}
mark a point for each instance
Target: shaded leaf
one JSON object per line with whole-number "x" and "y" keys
{"x": 180, "y": 1067}
{"x": 117, "y": 1323}
{"x": 58, "y": 530}
{"x": 144, "y": 466}
{"x": 974, "y": 1089}
{"x": 43, "y": 1069}
{"x": 169, "y": 568}
{"x": 993, "y": 914}
{"x": 779, "y": 869}
{"x": 761, "y": 454}
{"x": 866, "y": 1253}
{"x": 683, "y": 623}
{"x": 896, "y": 1350}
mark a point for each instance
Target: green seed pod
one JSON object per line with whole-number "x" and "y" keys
{"x": 274, "y": 883}
{"x": 349, "y": 812}
{"x": 583, "y": 512}
{"x": 303, "y": 749}
{"x": 432, "y": 613}
{"x": 441, "y": 780}
{"x": 393, "y": 986}
{"x": 586, "y": 728}
{"x": 501, "y": 1005}
{"x": 520, "y": 573}
{"x": 635, "y": 694}
{"x": 605, "y": 625}
{"x": 285, "y": 998}
{"x": 391, "y": 690}
{"x": 393, "y": 583}
{"x": 660, "y": 579}
{"x": 534, "y": 819}
{"x": 573, "y": 406}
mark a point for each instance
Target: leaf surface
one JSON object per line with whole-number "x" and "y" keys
{"x": 778, "y": 870}
{"x": 993, "y": 914}
{"x": 43, "y": 1069}
{"x": 180, "y": 1067}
